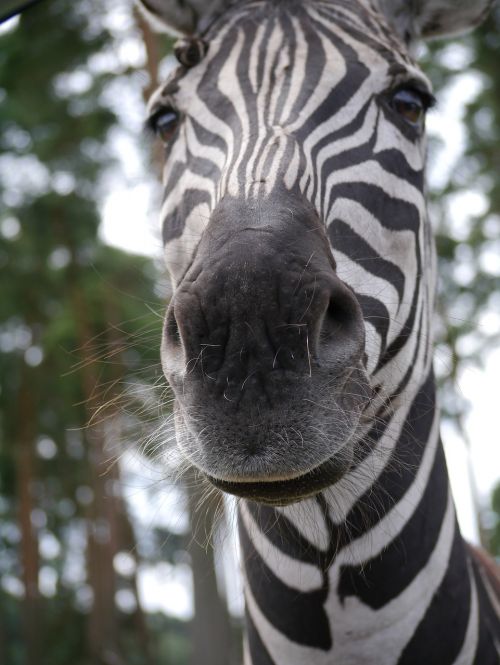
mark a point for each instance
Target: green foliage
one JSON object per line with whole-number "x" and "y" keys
{"x": 494, "y": 531}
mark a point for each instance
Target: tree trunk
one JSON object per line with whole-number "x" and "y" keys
{"x": 102, "y": 626}
{"x": 143, "y": 636}
{"x": 150, "y": 40}
{"x": 125, "y": 537}
{"x": 101, "y": 520}
{"x": 25, "y": 468}
{"x": 109, "y": 529}
{"x": 211, "y": 630}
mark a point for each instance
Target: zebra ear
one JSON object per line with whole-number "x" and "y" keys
{"x": 181, "y": 17}
{"x": 426, "y": 19}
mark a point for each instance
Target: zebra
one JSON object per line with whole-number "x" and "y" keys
{"x": 298, "y": 341}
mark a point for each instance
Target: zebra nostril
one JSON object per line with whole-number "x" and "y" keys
{"x": 172, "y": 331}
{"x": 335, "y": 323}
{"x": 341, "y": 327}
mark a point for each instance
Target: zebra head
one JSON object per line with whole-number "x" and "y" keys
{"x": 295, "y": 231}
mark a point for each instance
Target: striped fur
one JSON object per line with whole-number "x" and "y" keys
{"x": 291, "y": 102}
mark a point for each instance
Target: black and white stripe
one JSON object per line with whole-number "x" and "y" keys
{"x": 292, "y": 97}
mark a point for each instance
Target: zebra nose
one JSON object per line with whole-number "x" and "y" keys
{"x": 262, "y": 294}
{"x": 260, "y": 323}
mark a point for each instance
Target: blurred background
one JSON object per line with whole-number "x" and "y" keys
{"x": 109, "y": 555}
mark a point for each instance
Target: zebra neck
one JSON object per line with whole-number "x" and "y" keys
{"x": 357, "y": 568}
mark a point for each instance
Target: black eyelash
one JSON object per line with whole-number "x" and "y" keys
{"x": 429, "y": 100}
{"x": 163, "y": 123}
{"x": 427, "y": 97}
{"x": 150, "y": 124}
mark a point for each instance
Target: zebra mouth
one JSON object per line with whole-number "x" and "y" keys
{"x": 284, "y": 492}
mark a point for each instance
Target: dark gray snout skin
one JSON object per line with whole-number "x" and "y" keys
{"x": 263, "y": 348}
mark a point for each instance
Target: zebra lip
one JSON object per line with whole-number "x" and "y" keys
{"x": 284, "y": 492}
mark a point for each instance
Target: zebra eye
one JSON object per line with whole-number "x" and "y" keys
{"x": 411, "y": 105}
{"x": 164, "y": 123}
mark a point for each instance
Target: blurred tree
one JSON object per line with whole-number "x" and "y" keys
{"x": 63, "y": 517}
{"x": 494, "y": 532}
{"x": 465, "y": 211}
{"x": 211, "y": 628}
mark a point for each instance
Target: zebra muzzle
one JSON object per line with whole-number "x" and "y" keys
{"x": 262, "y": 341}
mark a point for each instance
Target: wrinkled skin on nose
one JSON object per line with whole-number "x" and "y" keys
{"x": 263, "y": 347}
